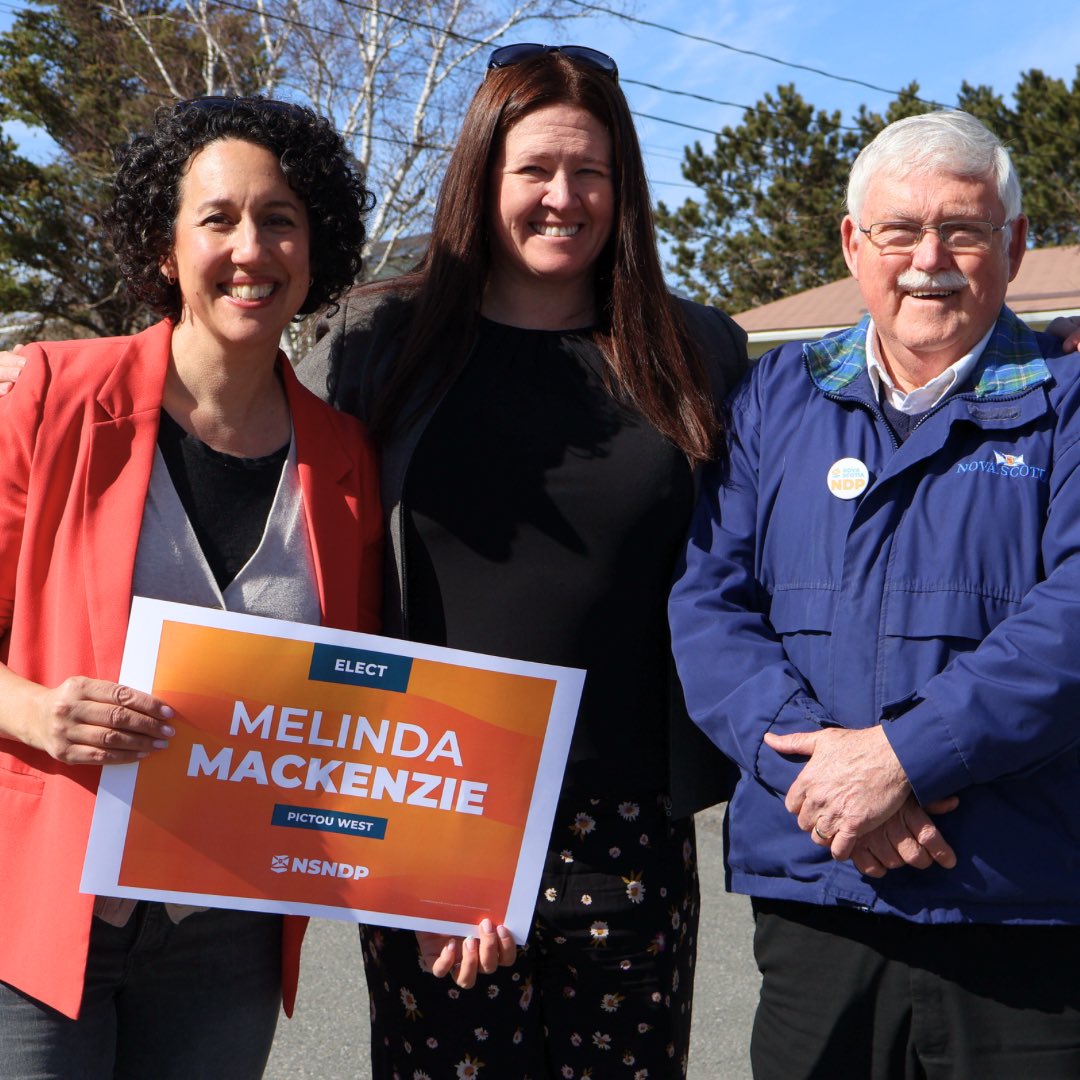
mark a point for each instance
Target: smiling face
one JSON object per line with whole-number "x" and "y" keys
{"x": 552, "y": 206}
{"x": 240, "y": 248}
{"x": 931, "y": 306}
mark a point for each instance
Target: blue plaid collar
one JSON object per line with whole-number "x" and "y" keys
{"x": 1011, "y": 362}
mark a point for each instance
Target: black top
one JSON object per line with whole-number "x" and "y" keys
{"x": 542, "y": 522}
{"x": 902, "y": 423}
{"x": 227, "y": 499}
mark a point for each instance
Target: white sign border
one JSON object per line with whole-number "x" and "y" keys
{"x": 112, "y": 810}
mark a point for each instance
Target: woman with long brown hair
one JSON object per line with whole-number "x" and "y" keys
{"x": 541, "y": 401}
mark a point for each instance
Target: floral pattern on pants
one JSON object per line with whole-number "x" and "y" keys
{"x": 602, "y": 989}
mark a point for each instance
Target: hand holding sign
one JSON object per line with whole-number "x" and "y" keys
{"x": 465, "y": 958}
{"x": 87, "y": 721}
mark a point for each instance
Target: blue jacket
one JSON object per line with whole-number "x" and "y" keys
{"x": 943, "y": 602}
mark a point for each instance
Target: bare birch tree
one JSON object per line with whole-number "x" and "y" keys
{"x": 393, "y": 75}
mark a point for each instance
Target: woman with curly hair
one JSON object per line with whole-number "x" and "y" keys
{"x": 183, "y": 463}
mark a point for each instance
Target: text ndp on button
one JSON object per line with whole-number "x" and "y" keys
{"x": 847, "y": 478}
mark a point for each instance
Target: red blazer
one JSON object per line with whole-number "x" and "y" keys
{"x": 77, "y": 440}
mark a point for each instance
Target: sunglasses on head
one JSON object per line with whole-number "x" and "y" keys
{"x": 223, "y": 102}
{"x": 507, "y": 55}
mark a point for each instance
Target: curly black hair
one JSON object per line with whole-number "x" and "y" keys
{"x": 313, "y": 157}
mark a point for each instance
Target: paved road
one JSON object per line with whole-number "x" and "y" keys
{"x": 327, "y": 1038}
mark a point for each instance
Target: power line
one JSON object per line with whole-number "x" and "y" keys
{"x": 297, "y": 23}
{"x": 467, "y": 39}
{"x": 676, "y": 123}
{"x": 717, "y": 101}
{"x": 167, "y": 99}
{"x": 745, "y": 52}
{"x": 664, "y": 155}
{"x": 674, "y": 183}
{"x": 420, "y": 24}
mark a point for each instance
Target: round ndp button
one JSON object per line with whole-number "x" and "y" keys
{"x": 847, "y": 478}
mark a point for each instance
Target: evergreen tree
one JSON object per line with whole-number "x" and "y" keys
{"x": 1042, "y": 132}
{"x": 773, "y": 196}
{"x": 393, "y": 78}
{"x": 774, "y": 187}
{"x": 71, "y": 69}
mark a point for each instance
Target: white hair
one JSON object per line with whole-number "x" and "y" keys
{"x": 948, "y": 141}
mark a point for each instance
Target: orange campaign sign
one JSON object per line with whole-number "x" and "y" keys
{"x": 320, "y": 772}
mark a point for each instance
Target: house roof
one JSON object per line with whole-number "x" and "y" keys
{"x": 407, "y": 252}
{"x": 1048, "y": 282}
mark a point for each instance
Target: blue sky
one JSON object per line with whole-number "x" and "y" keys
{"x": 887, "y": 44}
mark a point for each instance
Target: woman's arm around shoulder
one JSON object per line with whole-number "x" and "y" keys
{"x": 352, "y": 343}
{"x": 11, "y": 365}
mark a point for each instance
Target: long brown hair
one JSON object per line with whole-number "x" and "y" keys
{"x": 651, "y": 358}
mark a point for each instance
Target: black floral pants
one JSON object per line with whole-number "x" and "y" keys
{"x": 603, "y": 987}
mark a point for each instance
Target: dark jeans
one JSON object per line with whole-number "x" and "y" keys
{"x": 851, "y": 996}
{"x": 196, "y": 1000}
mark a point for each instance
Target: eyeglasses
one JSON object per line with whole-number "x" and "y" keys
{"x": 507, "y": 55}
{"x": 957, "y": 236}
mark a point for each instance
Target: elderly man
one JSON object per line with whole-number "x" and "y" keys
{"x": 879, "y": 621}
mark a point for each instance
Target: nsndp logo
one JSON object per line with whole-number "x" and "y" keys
{"x": 292, "y": 864}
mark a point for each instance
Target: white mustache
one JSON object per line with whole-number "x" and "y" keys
{"x": 918, "y": 280}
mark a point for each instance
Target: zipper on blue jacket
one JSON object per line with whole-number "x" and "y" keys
{"x": 873, "y": 410}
